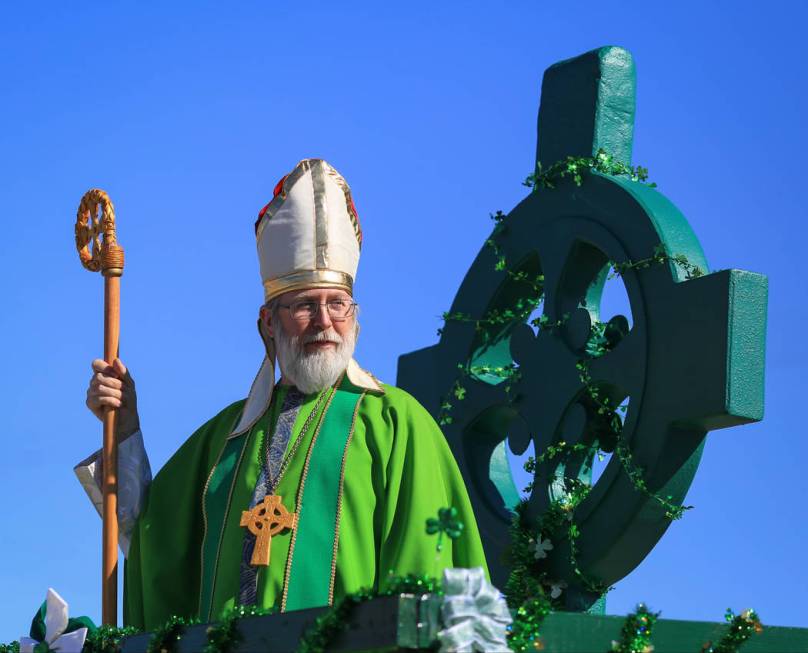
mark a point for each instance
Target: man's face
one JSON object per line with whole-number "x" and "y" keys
{"x": 322, "y": 321}
{"x": 312, "y": 344}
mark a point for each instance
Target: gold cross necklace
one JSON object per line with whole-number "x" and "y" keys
{"x": 270, "y": 517}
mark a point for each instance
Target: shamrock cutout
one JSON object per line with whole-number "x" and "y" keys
{"x": 556, "y": 588}
{"x": 447, "y": 522}
{"x": 541, "y": 548}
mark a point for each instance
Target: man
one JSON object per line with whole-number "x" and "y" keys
{"x": 310, "y": 488}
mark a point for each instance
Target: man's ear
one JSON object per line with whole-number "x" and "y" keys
{"x": 266, "y": 319}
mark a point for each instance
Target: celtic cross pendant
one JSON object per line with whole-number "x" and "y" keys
{"x": 268, "y": 518}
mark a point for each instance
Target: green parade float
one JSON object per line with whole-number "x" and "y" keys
{"x": 526, "y": 354}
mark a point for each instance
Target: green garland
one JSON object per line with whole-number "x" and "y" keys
{"x": 224, "y": 636}
{"x": 107, "y": 639}
{"x": 740, "y": 629}
{"x": 326, "y": 627}
{"x": 524, "y": 632}
{"x": 317, "y": 638}
{"x": 165, "y": 638}
{"x": 614, "y": 433}
{"x": 576, "y": 166}
{"x": 603, "y": 337}
{"x": 635, "y": 636}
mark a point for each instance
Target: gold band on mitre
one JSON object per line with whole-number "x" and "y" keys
{"x": 302, "y": 279}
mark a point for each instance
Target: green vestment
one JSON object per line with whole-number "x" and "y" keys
{"x": 398, "y": 471}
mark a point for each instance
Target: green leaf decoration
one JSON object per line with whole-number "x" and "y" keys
{"x": 446, "y": 522}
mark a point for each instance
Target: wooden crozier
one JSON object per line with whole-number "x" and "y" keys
{"x": 99, "y": 251}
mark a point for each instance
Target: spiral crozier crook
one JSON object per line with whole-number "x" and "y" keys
{"x": 95, "y": 236}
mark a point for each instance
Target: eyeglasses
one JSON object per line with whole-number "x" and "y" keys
{"x": 338, "y": 309}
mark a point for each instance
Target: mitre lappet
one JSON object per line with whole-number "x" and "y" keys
{"x": 308, "y": 236}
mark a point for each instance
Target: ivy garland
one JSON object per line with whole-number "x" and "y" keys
{"x": 531, "y": 593}
{"x": 601, "y": 340}
{"x": 576, "y": 166}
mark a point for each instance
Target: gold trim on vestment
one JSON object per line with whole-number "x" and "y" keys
{"x": 300, "y": 488}
{"x": 205, "y": 519}
{"x": 339, "y": 501}
{"x": 302, "y": 279}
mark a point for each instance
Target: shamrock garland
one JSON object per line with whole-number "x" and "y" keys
{"x": 603, "y": 337}
{"x": 576, "y": 166}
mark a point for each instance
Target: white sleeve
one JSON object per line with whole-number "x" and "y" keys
{"x": 134, "y": 478}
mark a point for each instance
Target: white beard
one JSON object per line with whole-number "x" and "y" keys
{"x": 313, "y": 372}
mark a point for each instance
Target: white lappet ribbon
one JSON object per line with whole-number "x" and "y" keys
{"x": 474, "y": 612}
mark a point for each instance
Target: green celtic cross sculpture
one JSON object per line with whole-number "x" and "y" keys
{"x": 689, "y": 362}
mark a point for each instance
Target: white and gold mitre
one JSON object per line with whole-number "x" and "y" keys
{"x": 309, "y": 235}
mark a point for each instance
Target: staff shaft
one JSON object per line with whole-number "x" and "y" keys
{"x": 109, "y": 592}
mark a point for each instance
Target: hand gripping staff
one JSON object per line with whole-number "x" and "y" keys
{"x": 98, "y": 250}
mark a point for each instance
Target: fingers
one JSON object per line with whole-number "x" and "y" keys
{"x": 108, "y": 391}
{"x": 116, "y": 371}
{"x": 102, "y": 380}
{"x": 100, "y": 365}
{"x": 97, "y": 403}
{"x": 122, "y": 372}
{"x": 100, "y": 404}
{"x": 112, "y": 388}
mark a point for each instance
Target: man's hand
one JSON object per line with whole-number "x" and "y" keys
{"x": 111, "y": 387}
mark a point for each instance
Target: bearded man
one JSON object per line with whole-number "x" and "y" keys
{"x": 312, "y": 487}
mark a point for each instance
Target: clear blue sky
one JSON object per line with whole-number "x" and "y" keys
{"x": 188, "y": 113}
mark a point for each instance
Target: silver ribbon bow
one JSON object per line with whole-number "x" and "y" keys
{"x": 474, "y": 612}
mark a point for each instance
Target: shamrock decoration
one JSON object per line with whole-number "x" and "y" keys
{"x": 556, "y": 588}
{"x": 541, "y": 548}
{"x": 447, "y": 522}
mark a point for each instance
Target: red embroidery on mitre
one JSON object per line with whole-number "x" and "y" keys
{"x": 279, "y": 187}
{"x": 356, "y": 215}
{"x": 275, "y": 193}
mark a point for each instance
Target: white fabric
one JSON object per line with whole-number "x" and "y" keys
{"x": 134, "y": 478}
{"x": 287, "y": 241}
{"x": 70, "y": 642}
{"x": 261, "y": 391}
{"x": 55, "y": 615}
{"x": 56, "y": 619}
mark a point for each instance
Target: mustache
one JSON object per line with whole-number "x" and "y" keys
{"x": 329, "y": 335}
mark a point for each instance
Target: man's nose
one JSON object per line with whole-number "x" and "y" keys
{"x": 322, "y": 320}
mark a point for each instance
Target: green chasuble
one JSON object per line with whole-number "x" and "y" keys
{"x": 396, "y": 472}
